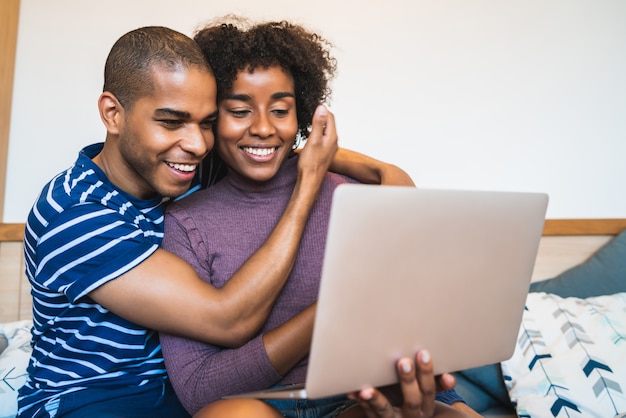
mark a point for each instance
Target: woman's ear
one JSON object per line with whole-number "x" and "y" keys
{"x": 111, "y": 112}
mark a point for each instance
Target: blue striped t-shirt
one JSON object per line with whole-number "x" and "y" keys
{"x": 81, "y": 233}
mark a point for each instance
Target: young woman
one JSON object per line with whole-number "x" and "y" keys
{"x": 271, "y": 78}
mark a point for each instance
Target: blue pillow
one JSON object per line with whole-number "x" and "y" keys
{"x": 603, "y": 274}
{"x": 3, "y": 343}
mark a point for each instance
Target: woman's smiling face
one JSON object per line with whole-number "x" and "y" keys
{"x": 257, "y": 123}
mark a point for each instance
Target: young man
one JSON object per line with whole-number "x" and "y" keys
{"x": 102, "y": 285}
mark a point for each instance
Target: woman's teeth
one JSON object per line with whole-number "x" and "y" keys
{"x": 262, "y": 152}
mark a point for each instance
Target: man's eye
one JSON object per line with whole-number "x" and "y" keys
{"x": 171, "y": 124}
{"x": 208, "y": 124}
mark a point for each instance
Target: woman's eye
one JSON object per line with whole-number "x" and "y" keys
{"x": 239, "y": 113}
{"x": 281, "y": 112}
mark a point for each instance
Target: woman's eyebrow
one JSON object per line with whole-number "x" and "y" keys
{"x": 282, "y": 94}
{"x": 246, "y": 97}
{"x": 238, "y": 96}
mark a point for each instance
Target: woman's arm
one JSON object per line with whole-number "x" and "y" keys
{"x": 203, "y": 373}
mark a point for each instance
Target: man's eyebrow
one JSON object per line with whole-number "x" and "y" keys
{"x": 172, "y": 113}
{"x": 211, "y": 116}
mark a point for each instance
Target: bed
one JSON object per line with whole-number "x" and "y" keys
{"x": 584, "y": 261}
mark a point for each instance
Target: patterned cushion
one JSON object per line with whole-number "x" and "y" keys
{"x": 569, "y": 358}
{"x": 13, "y": 363}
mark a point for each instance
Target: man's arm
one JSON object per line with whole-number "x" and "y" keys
{"x": 164, "y": 293}
{"x": 368, "y": 170}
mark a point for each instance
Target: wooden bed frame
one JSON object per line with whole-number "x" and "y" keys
{"x": 552, "y": 227}
{"x": 565, "y": 243}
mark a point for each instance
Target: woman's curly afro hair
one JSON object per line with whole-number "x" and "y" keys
{"x": 232, "y": 44}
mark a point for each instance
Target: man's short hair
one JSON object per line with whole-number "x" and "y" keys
{"x": 129, "y": 66}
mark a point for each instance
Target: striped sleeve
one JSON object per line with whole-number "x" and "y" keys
{"x": 87, "y": 246}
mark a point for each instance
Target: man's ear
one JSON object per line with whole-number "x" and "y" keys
{"x": 111, "y": 112}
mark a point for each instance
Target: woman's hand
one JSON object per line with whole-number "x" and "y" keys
{"x": 321, "y": 145}
{"x": 417, "y": 387}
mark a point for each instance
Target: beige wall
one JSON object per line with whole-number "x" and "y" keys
{"x": 524, "y": 95}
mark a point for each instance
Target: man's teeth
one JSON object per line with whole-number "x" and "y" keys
{"x": 183, "y": 167}
{"x": 262, "y": 152}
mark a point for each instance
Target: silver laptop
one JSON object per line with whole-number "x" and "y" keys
{"x": 406, "y": 269}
